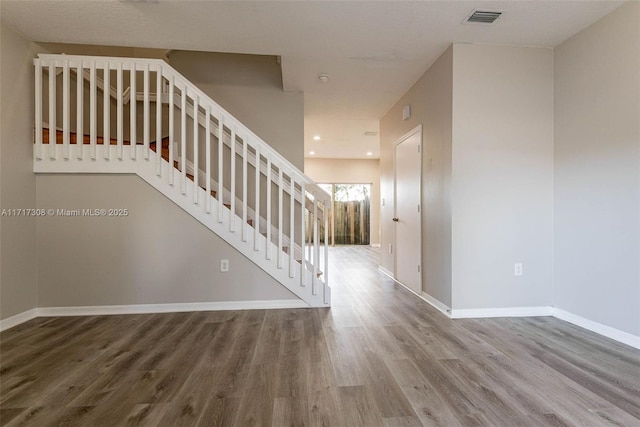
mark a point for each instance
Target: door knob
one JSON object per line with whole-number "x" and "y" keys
{"x": 395, "y": 220}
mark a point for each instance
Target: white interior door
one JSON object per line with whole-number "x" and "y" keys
{"x": 408, "y": 235}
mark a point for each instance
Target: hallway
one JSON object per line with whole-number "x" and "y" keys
{"x": 379, "y": 357}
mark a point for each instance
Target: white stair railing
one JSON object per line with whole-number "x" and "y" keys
{"x": 176, "y": 117}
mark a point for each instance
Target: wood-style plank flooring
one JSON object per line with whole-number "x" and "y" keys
{"x": 378, "y": 357}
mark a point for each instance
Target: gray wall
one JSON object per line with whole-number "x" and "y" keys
{"x": 156, "y": 254}
{"x": 502, "y": 188}
{"x": 250, "y": 88}
{"x": 597, "y": 172}
{"x": 18, "y": 278}
{"x": 487, "y": 167}
{"x": 431, "y": 105}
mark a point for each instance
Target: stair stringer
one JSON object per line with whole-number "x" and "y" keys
{"x": 250, "y": 212}
{"x": 311, "y": 290}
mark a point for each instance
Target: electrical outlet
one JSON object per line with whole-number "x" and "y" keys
{"x": 390, "y": 248}
{"x": 224, "y": 265}
{"x": 517, "y": 269}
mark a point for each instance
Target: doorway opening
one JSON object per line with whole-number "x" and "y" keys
{"x": 349, "y": 220}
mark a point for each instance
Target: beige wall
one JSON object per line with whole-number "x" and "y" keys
{"x": 352, "y": 171}
{"x": 487, "y": 165}
{"x": 157, "y": 254}
{"x": 597, "y": 172}
{"x": 95, "y": 50}
{"x": 430, "y": 99}
{"x": 250, "y": 88}
{"x": 18, "y": 276}
{"x": 502, "y": 180}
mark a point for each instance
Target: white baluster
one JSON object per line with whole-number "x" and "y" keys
{"x": 326, "y": 252}
{"x": 268, "y": 253}
{"x": 280, "y": 187}
{"x": 38, "y": 112}
{"x": 80, "y": 110}
{"x": 183, "y": 138}
{"x": 232, "y": 171}
{"x": 52, "y": 111}
{"x": 93, "y": 108}
{"x": 316, "y": 253}
{"x": 244, "y": 188}
{"x": 66, "y": 109}
{"x": 120, "y": 110}
{"x": 256, "y": 215}
{"x": 133, "y": 98}
{"x": 159, "y": 121}
{"x": 146, "y": 107}
{"x": 196, "y": 166}
{"x": 302, "y": 235}
{"x": 292, "y": 214}
{"x": 220, "y": 169}
{"x": 207, "y": 117}
{"x": 106, "y": 124}
{"x": 171, "y": 106}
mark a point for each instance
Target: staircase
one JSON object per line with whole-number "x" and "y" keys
{"x": 192, "y": 151}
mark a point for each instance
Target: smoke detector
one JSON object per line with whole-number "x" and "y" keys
{"x": 324, "y": 78}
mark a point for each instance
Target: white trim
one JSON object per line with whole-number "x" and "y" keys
{"x": 599, "y": 328}
{"x": 386, "y": 272}
{"x": 470, "y": 313}
{"x": 437, "y": 304}
{"x": 375, "y": 245}
{"x": 105, "y": 310}
{"x": 590, "y": 325}
{"x": 442, "y": 308}
{"x": 17, "y": 319}
{"x": 607, "y": 331}
{"x": 101, "y": 310}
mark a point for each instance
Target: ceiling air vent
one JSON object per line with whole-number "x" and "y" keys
{"x": 483, "y": 17}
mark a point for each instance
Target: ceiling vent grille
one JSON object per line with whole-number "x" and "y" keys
{"x": 483, "y": 17}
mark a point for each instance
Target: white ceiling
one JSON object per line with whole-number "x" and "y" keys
{"x": 372, "y": 51}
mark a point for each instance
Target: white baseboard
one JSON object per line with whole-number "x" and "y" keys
{"x": 424, "y": 296}
{"x": 170, "y": 308}
{"x": 386, "y": 272}
{"x": 599, "y": 328}
{"x": 607, "y": 331}
{"x": 437, "y": 304}
{"x": 17, "y": 319}
{"x": 501, "y": 312}
{"x": 103, "y": 310}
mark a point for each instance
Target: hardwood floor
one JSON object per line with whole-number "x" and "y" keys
{"x": 378, "y": 357}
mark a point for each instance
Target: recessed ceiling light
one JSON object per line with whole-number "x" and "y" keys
{"x": 316, "y": 138}
{"x": 369, "y": 153}
{"x": 312, "y": 152}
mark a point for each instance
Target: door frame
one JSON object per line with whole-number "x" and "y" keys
{"x": 412, "y": 132}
